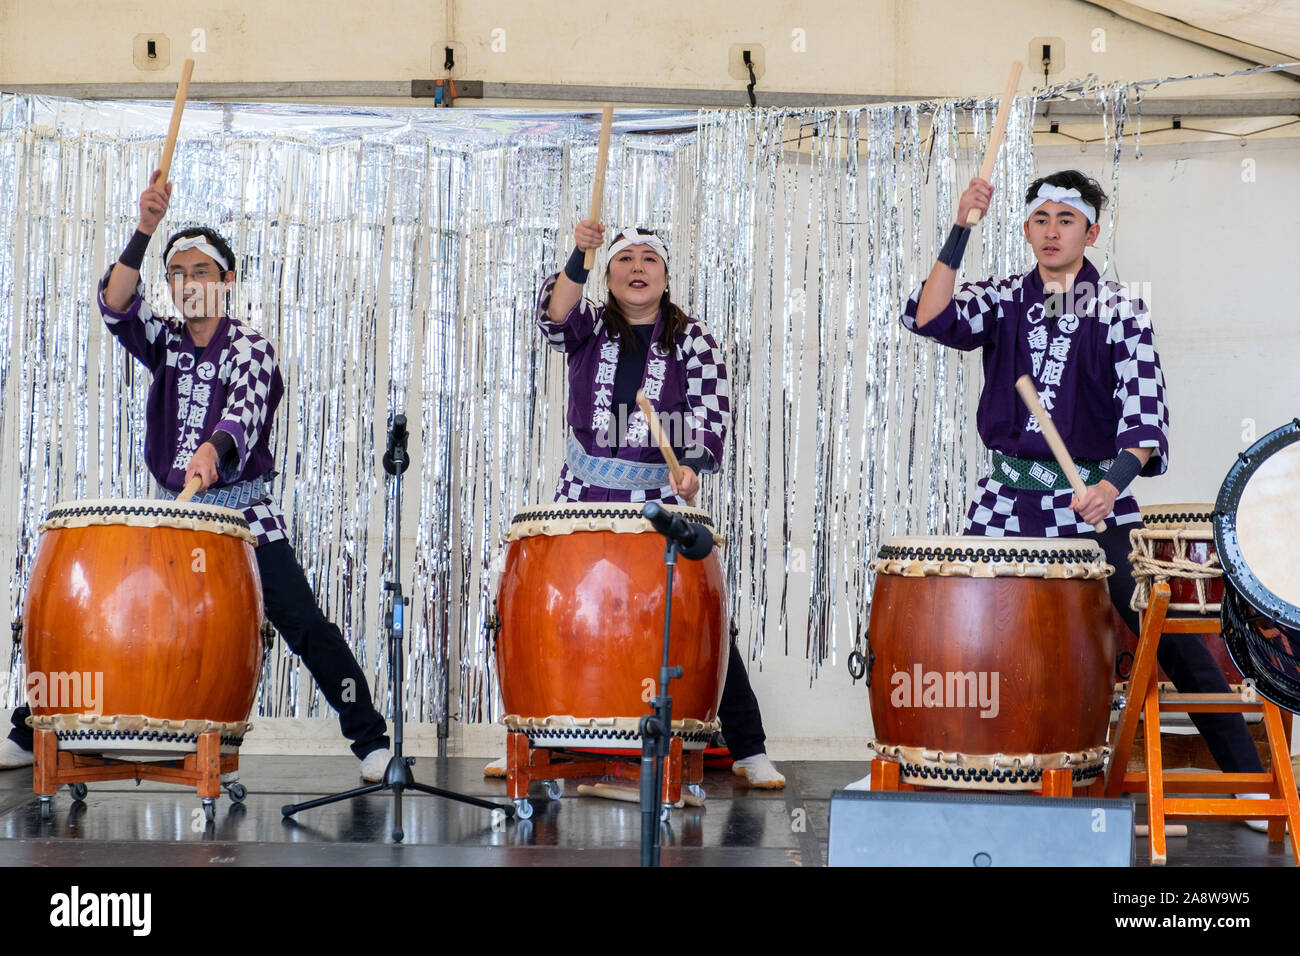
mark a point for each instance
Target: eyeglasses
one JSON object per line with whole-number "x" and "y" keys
{"x": 201, "y": 273}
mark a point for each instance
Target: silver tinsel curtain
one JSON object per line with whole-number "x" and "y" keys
{"x": 393, "y": 258}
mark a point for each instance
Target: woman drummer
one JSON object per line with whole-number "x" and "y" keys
{"x": 639, "y": 339}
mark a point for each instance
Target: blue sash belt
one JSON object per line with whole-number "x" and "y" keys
{"x": 239, "y": 496}
{"x": 613, "y": 473}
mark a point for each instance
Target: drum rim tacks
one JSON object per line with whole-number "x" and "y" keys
{"x": 1237, "y": 573}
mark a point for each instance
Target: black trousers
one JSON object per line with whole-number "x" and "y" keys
{"x": 742, "y": 724}
{"x": 292, "y": 610}
{"x": 1186, "y": 660}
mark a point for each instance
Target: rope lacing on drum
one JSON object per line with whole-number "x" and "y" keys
{"x": 1149, "y": 570}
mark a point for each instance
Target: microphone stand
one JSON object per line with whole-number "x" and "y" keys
{"x": 656, "y": 732}
{"x": 693, "y": 542}
{"x": 397, "y": 776}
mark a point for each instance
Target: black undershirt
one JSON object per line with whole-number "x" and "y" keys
{"x": 627, "y": 380}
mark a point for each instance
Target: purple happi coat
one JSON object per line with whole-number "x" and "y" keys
{"x": 235, "y": 387}
{"x": 688, "y": 389}
{"x": 1098, "y": 375}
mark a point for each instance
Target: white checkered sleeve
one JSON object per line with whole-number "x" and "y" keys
{"x": 266, "y": 522}
{"x": 969, "y": 320}
{"x": 141, "y": 332}
{"x": 1140, "y": 403}
{"x": 582, "y": 322}
{"x": 708, "y": 396}
{"x": 251, "y": 380}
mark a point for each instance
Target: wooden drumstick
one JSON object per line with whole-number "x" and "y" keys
{"x": 1025, "y": 386}
{"x": 598, "y": 190}
{"x": 609, "y": 791}
{"x": 191, "y": 489}
{"x": 1171, "y": 829}
{"x": 182, "y": 90}
{"x": 662, "y": 441}
{"x": 999, "y": 130}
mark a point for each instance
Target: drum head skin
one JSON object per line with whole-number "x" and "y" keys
{"x": 1257, "y": 531}
{"x": 1257, "y": 525}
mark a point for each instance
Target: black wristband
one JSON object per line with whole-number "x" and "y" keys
{"x": 698, "y": 461}
{"x": 133, "y": 255}
{"x": 951, "y": 253}
{"x": 1123, "y": 471}
{"x": 574, "y": 267}
{"x": 223, "y": 442}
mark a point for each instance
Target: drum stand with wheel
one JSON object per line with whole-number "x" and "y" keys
{"x": 557, "y": 702}
{"x": 160, "y": 602}
{"x": 201, "y": 769}
{"x": 526, "y": 764}
{"x": 1281, "y": 809}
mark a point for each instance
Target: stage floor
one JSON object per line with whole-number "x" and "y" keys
{"x": 155, "y": 824}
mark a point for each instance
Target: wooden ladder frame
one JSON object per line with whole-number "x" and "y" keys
{"x": 1282, "y": 807}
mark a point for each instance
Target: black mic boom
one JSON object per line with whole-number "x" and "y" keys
{"x": 694, "y": 541}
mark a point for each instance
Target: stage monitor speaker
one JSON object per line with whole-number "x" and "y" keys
{"x": 913, "y": 828}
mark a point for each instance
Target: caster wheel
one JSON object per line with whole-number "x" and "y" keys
{"x": 554, "y": 789}
{"x": 398, "y": 836}
{"x": 79, "y": 791}
{"x": 47, "y": 808}
{"x": 665, "y": 813}
{"x": 209, "y": 809}
{"x": 237, "y": 792}
{"x": 524, "y": 808}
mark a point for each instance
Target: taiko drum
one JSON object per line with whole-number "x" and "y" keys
{"x": 163, "y": 599}
{"x": 1257, "y": 532}
{"x": 1175, "y": 545}
{"x": 580, "y": 644}
{"x": 992, "y": 660}
{"x": 1174, "y": 537}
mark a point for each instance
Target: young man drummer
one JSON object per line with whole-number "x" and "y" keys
{"x": 1090, "y": 349}
{"x": 216, "y": 386}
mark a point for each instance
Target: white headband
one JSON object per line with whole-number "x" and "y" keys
{"x": 200, "y": 243}
{"x": 633, "y": 238}
{"x": 1071, "y": 197}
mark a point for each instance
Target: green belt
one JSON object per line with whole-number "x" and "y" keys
{"x": 1034, "y": 474}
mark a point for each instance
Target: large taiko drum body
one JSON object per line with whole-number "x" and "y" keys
{"x": 141, "y": 627}
{"x": 581, "y": 607}
{"x": 993, "y": 660}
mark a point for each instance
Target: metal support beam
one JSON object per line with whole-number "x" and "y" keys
{"x": 417, "y": 92}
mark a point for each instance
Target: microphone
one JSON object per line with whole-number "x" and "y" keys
{"x": 694, "y": 541}
{"x": 396, "y": 460}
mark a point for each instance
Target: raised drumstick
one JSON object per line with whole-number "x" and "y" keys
{"x": 182, "y": 90}
{"x": 191, "y": 489}
{"x": 661, "y": 440}
{"x": 598, "y": 189}
{"x": 999, "y": 130}
{"x": 1025, "y": 386}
